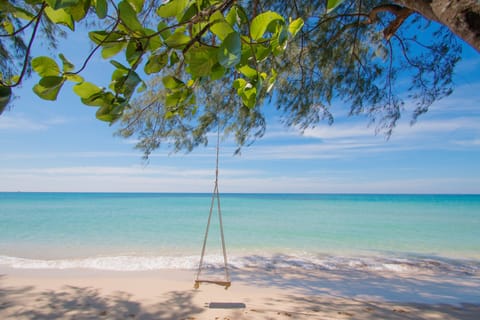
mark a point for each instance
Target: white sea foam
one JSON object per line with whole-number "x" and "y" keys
{"x": 262, "y": 262}
{"x": 116, "y": 263}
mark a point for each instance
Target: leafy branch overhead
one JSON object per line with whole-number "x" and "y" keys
{"x": 195, "y": 42}
{"x": 179, "y": 68}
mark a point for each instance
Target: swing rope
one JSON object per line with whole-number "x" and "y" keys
{"x": 215, "y": 195}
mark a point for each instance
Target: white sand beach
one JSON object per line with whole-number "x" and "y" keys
{"x": 295, "y": 293}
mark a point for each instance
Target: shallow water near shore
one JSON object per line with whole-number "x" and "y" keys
{"x": 126, "y": 231}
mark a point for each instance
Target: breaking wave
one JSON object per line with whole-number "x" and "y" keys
{"x": 263, "y": 262}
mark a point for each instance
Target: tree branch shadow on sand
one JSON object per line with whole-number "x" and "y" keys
{"x": 326, "y": 307}
{"x": 89, "y": 303}
{"x": 444, "y": 287}
{"x": 363, "y": 294}
{"x": 308, "y": 294}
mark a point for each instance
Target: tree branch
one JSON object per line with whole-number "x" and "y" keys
{"x": 29, "y": 47}
{"x": 423, "y": 7}
{"x": 19, "y": 30}
{"x": 85, "y": 63}
{"x": 401, "y": 13}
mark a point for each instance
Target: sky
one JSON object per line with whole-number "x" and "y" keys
{"x": 61, "y": 147}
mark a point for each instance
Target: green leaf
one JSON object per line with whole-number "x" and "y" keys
{"x": 60, "y": 16}
{"x": 22, "y": 14}
{"x": 129, "y": 16}
{"x": 241, "y": 17}
{"x": 278, "y": 42}
{"x": 59, "y": 4}
{"x": 103, "y": 114}
{"x": 134, "y": 52}
{"x": 262, "y": 52}
{"x": 220, "y": 27}
{"x": 156, "y": 63}
{"x": 230, "y": 51}
{"x": 8, "y": 26}
{"x": 249, "y": 97}
{"x": 164, "y": 28}
{"x": 98, "y": 36}
{"x": 101, "y": 8}
{"x": 239, "y": 84}
{"x": 49, "y": 87}
{"x": 173, "y": 8}
{"x": 51, "y": 81}
{"x": 231, "y": 17}
{"x": 173, "y": 100}
{"x": 14, "y": 79}
{"x": 112, "y": 50}
{"x": 5, "y": 96}
{"x": 217, "y": 72}
{"x": 179, "y": 97}
{"x": 67, "y": 65}
{"x": 137, "y": 5}
{"x": 271, "y": 80}
{"x": 332, "y": 4}
{"x": 171, "y": 82}
{"x": 189, "y": 13}
{"x": 107, "y": 39}
{"x": 127, "y": 84}
{"x": 119, "y": 65}
{"x": 246, "y": 91}
{"x": 98, "y": 99}
{"x": 109, "y": 112}
{"x": 142, "y": 88}
{"x": 45, "y": 66}
{"x": 178, "y": 39}
{"x": 261, "y": 23}
{"x": 295, "y": 26}
{"x": 74, "y": 78}
{"x": 118, "y": 76}
{"x": 200, "y": 60}
{"x": 248, "y": 71}
{"x": 79, "y": 10}
{"x": 173, "y": 58}
{"x": 86, "y": 90}
{"x": 154, "y": 42}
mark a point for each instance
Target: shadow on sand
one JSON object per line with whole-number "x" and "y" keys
{"x": 362, "y": 295}
{"x": 88, "y": 303}
{"x": 446, "y": 287}
{"x": 305, "y": 294}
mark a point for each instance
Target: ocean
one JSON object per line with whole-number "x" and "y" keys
{"x": 148, "y": 231}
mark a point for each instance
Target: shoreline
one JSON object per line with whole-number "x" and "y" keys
{"x": 394, "y": 263}
{"x": 287, "y": 293}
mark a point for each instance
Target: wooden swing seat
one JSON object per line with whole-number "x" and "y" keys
{"x": 221, "y": 283}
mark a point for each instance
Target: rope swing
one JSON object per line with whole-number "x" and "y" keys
{"x": 215, "y": 195}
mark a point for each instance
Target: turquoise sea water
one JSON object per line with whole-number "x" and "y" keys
{"x": 135, "y": 231}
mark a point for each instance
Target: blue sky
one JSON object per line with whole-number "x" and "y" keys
{"x": 60, "y": 146}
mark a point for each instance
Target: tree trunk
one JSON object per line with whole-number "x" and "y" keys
{"x": 462, "y": 17}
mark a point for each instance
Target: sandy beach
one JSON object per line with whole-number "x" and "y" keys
{"x": 293, "y": 293}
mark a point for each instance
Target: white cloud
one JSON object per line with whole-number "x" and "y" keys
{"x": 468, "y": 142}
{"x": 132, "y": 171}
{"x": 402, "y": 130}
{"x": 20, "y": 122}
{"x": 337, "y": 131}
{"x": 115, "y": 179}
{"x": 339, "y": 149}
{"x": 73, "y": 155}
{"x": 438, "y": 126}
